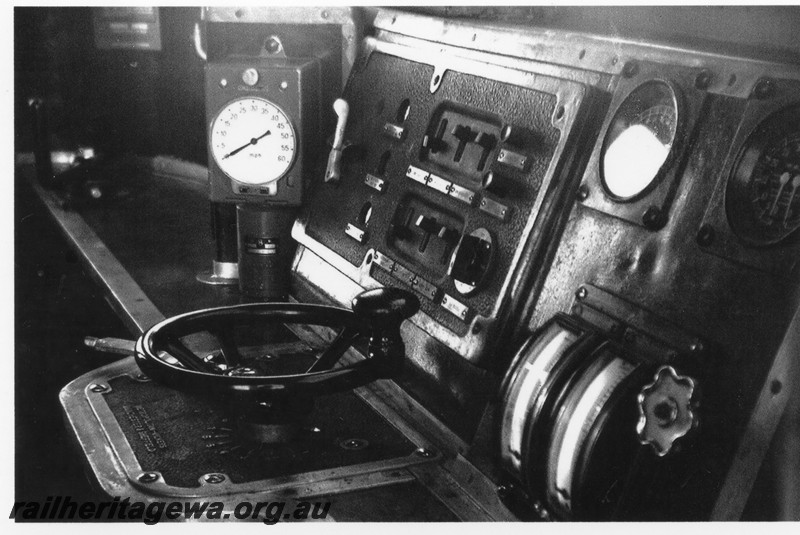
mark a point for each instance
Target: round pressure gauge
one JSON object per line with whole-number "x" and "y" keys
{"x": 763, "y": 193}
{"x": 639, "y": 139}
{"x": 253, "y": 141}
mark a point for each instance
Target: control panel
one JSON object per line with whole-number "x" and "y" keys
{"x": 443, "y": 176}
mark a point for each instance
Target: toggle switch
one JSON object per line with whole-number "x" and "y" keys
{"x": 512, "y": 136}
{"x": 435, "y": 143}
{"x": 496, "y": 183}
{"x": 487, "y": 142}
{"x": 333, "y": 171}
{"x": 428, "y": 224}
{"x": 449, "y": 235}
{"x": 465, "y": 135}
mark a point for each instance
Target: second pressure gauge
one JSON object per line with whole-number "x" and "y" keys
{"x": 252, "y": 141}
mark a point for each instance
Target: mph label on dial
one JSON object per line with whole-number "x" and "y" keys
{"x": 253, "y": 142}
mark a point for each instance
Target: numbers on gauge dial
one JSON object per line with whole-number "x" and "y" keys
{"x": 253, "y": 141}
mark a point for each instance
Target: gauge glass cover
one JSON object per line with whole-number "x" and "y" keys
{"x": 253, "y": 141}
{"x": 763, "y": 193}
{"x": 639, "y": 139}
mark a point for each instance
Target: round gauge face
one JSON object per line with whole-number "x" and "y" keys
{"x": 763, "y": 194}
{"x": 253, "y": 141}
{"x": 639, "y": 140}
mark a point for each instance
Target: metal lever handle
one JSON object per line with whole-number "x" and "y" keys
{"x": 334, "y": 170}
{"x": 111, "y": 345}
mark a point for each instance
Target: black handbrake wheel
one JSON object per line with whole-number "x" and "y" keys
{"x": 377, "y": 313}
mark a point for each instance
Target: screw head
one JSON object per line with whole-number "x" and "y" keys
{"x": 214, "y": 478}
{"x": 353, "y": 444}
{"x": 273, "y": 45}
{"x": 425, "y": 452}
{"x": 583, "y": 192}
{"x": 148, "y": 477}
{"x": 706, "y": 235}
{"x": 98, "y": 388}
{"x": 582, "y": 293}
{"x": 653, "y": 218}
{"x": 764, "y": 88}
{"x": 703, "y": 79}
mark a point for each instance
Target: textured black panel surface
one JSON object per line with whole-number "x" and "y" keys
{"x": 166, "y": 430}
{"x": 376, "y": 92}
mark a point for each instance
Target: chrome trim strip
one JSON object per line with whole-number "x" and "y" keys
{"x": 783, "y": 376}
{"x": 138, "y": 313}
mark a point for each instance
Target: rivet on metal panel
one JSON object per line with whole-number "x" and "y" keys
{"x": 653, "y": 218}
{"x": 582, "y": 293}
{"x": 583, "y": 192}
{"x": 764, "y": 88}
{"x": 98, "y": 388}
{"x": 353, "y": 444}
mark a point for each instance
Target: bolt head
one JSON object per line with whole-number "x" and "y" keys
{"x": 653, "y": 218}
{"x": 148, "y": 477}
{"x": 631, "y": 68}
{"x": 424, "y": 452}
{"x": 703, "y": 80}
{"x": 764, "y": 88}
{"x": 214, "y": 478}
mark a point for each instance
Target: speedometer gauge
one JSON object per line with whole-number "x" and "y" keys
{"x": 252, "y": 141}
{"x": 763, "y": 193}
{"x": 639, "y": 140}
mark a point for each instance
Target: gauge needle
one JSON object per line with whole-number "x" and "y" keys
{"x": 783, "y": 181}
{"x": 795, "y": 185}
{"x": 253, "y": 141}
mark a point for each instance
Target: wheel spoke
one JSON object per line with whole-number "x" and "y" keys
{"x": 186, "y": 357}
{"x": 335, "y": 351}
{"x": 227, "y": 344}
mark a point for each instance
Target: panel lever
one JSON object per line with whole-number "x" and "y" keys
{"x": 111, "y": 345}
{"x": 334, "y": 170}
